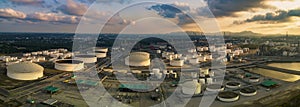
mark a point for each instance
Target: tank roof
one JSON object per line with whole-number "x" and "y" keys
{"x": 228, "y": 94}
{"x": 232, "y": 83}
{"x": 215, "y": 86}
{"x": 25, "y": 67}
{"x": 69, "y": 61}
{"x": 85, "y": 56}
{"x": 248, "y": 90}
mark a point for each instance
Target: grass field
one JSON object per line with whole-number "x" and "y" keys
{"x": 8, "y": 83}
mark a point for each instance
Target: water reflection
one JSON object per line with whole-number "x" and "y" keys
{"x": 275, "y": 74}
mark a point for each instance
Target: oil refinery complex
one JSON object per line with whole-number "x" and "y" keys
{"x": 51, "y": 77}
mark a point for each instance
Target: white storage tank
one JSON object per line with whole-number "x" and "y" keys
{"x": 228, "y": 96}
{"x": 254, "y": 79}
{"x": 228, "y": 50}
{"x": 194, "y": 61}
{"x": 69, "y": 65}
{"x": 233, "y": 85}
{"x": 202, "y": 58}
{"x": 54, "y": 55}
{"x": 11, "y": 63}
{"x": 41, "y": 58}
{"x": 86, "y": 58}
{"x": 27, "y": 54}
{"x": 136, "y": 71}
{"x": 7, "y": 59}
{"x": 209, "y": 80}
{"x": 200, "y": 49}
{"x": 248, "y": 91}
{"x": 39, "y": 52}
{"x": 177, "y": 62}
{"x": 46, "y": 53}
{"x": 102, "y": 49}
{"x": 202, "y": 81}
{"x": 179, "y": 56}
{"x": 204, "y": 71}
{"x": 165, "y": 71}
{"x": 25, "y": 71}
{"x": 155, "y": 70}
{"x": 34, "y": 53}
{"x": 122, "y": 71}
{"x": 236, "y": 53}
{"x": 138, "y": 59}
{"x": 159, "y": 75}
{"x": 100, "y": 54}
{"x": 208, "y": 57}
{"x": 205, "y": 48}
{"x": 158, "y": 51}
{"x": 191, "y": 88}
{"x": 174, "y": 75}
{"x": 215, "y": 87}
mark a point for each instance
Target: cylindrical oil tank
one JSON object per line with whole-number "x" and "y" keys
{"x": 194, "y": 61}
{"x": 177, "y": 62}
{"x": 100, "y": 54}
{"x": 86, "y": 58}
{"x": 138, "y": 59}
{"x": 215, "y": 87}
{"x": 248, "y": 91}
{"x": 228, "y": 96}
{"x": 69, "y": 65}
{"x": 25, "y": 71}
{"x": 102, "y": 49}
{"x": 233, "y": 84}
{"x": 191, "y": 88}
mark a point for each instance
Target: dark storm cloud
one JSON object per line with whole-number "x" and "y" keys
{"x": 184, "y": 19}
{"x": 204, "y": 11}
{"x": 280, "y": 15}
{"x": 222, "y": 8}
{"x": 176, "y": 10}
{"x": 169, "y": 11}
{"x": 214, "y": 8}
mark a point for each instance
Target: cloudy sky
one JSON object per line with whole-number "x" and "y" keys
{"x": 130, "y": 16}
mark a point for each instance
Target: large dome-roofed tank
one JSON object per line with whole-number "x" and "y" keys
{"x": 25, "y": 71}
